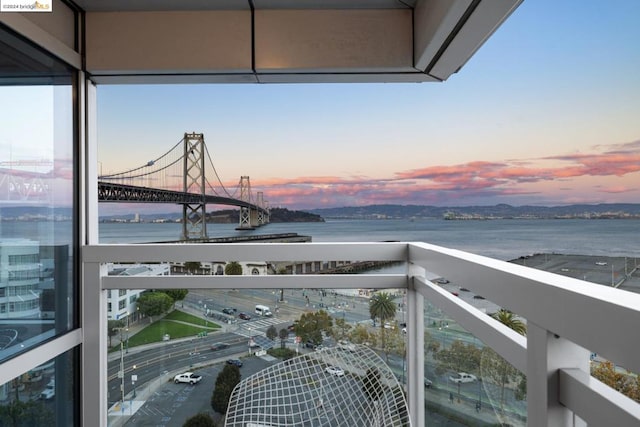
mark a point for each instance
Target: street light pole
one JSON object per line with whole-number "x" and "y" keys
{"x": 122, "y": 371}
{"x": 134, "y": 378}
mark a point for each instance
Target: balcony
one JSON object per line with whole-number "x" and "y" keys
{"x": 567, "y": 319}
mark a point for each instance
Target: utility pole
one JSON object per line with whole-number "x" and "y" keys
{"x": 122, "y": 370}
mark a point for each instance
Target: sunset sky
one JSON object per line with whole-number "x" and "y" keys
{"x": 547, "y": 112}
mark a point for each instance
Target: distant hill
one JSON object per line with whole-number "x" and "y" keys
{"x": 609, "y": 210}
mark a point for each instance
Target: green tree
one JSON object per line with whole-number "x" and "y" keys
{"x": 361, "y": 335}
{"x": 176, "y": 294}
{"x": 271, "y": 333}
{"x": 382, "y": 307}
{"x": 496, "y": 368}
{"x": 340, "y": 330}
{"x": 112, "y": 328}
{"x": 626, "y": 384}
{"x": 200, "y": 420}
{"x": 509, "y": 319}
{"x": 154, "y": 303}
{"x": 394, "y": 342}
{"x": 192, "y": 266}
{"x": 499, "y": 370}
{"x": 430, "y": 343}
{"x": 284, "y": 334}
{"x": 226, "y": 381}
{"x": 233, "y": 269}
{"x": 311, "y": 325}
{"x": 19, "y": 414}
{"x": 459, "y": 357}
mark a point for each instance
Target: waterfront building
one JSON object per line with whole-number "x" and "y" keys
{"x": 58, "y": 58}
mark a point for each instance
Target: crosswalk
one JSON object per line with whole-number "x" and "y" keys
{"x": 256, "y": 327}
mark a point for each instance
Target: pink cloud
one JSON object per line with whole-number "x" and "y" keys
{"x": 477, "y": 179}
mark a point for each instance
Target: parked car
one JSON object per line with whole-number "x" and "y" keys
{"x": 236, "y": 362}
{"x": 334, "y": 370}
{"x": 48, "y": 393}
{"x": 244, "y": 316}
{"x": 219, "y": 346}
{"x": 187, "y": 377}
{"x": 229, "y": 310}
{"x": 427, "y": 382}
{"x": 463, "y": 377}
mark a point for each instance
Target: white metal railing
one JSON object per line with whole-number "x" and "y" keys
{"x": 564, "y": 316}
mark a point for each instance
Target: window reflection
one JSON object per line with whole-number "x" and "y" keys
{"x": 41, "y": 396}
{"x": 36, "y": 196}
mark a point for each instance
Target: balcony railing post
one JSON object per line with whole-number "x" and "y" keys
{"x": 546, "y": 354}
{"x": 94, "y": 349}
{"x": 415, "y": 351}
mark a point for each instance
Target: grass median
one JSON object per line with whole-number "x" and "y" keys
{"x": 176, "y": 324}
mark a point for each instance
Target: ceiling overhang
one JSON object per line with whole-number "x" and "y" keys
{"x": 285, "y": 41}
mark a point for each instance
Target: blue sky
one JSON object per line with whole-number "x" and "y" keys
{"x": 546, "y": 112}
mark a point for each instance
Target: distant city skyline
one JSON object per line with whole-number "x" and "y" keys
{"x": 545, "y": 113}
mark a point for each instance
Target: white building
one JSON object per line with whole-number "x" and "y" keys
{"x": 19, "y": 278}
{"x": 121, "y": 303}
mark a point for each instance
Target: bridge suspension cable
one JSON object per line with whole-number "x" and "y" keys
{"x": 215, "y": 172}
{"x": 128, "y": 173}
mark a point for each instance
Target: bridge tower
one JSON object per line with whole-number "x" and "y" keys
{"x": 194, "y": 225}
{"x": 260, "y": 204}
{"x": 245, "y": 212}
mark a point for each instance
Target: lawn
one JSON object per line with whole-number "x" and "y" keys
{"x": 189, "y": 318}
{"x": 171, "y": 325}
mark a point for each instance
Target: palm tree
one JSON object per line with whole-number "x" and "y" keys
{"x": 233, "y": 269}
{"x": 510, "y": 320}
{"x": 382, "y": 307}
{"x": 497, "y": 367}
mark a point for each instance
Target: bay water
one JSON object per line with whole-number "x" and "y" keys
{"x": 500, "y": 239}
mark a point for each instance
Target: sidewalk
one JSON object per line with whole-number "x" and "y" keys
{"x": 439, "y": 400}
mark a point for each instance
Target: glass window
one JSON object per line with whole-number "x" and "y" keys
{"x": 43, "y": 395}
{"x": 37, "y": 188}
{"x": 205, "y": 328}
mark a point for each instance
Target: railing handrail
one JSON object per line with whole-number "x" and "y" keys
{"x": 596, "y": 317}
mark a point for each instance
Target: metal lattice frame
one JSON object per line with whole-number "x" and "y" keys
{"x": 194, "y": 223}
{"x": 302, "y": 392}
{"x": 245, "y": 196}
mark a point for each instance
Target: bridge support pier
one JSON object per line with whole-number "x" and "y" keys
{"x": 246, "y": 222}
{"x": 194, "y": 224}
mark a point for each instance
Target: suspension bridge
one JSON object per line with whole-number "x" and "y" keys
{"x": 180, "y": 176}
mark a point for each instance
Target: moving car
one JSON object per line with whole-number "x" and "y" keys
{"x": 236, "y": 362}
{"x": 219, "y": 346}
{"x": 244, "y": 316}
{"x": 187, "y": 377}
{"x": 334, "y": 370}
{"x": 428, "y": 383}
{"x": 463, "y": 377}
{"x": 229, "y": 310}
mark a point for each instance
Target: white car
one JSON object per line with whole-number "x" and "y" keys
{"x": 187, "y": 377}
{"x": 48, "y": 393}
{"x": 334, "y": 370}
{"x": 463, "y": 377}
